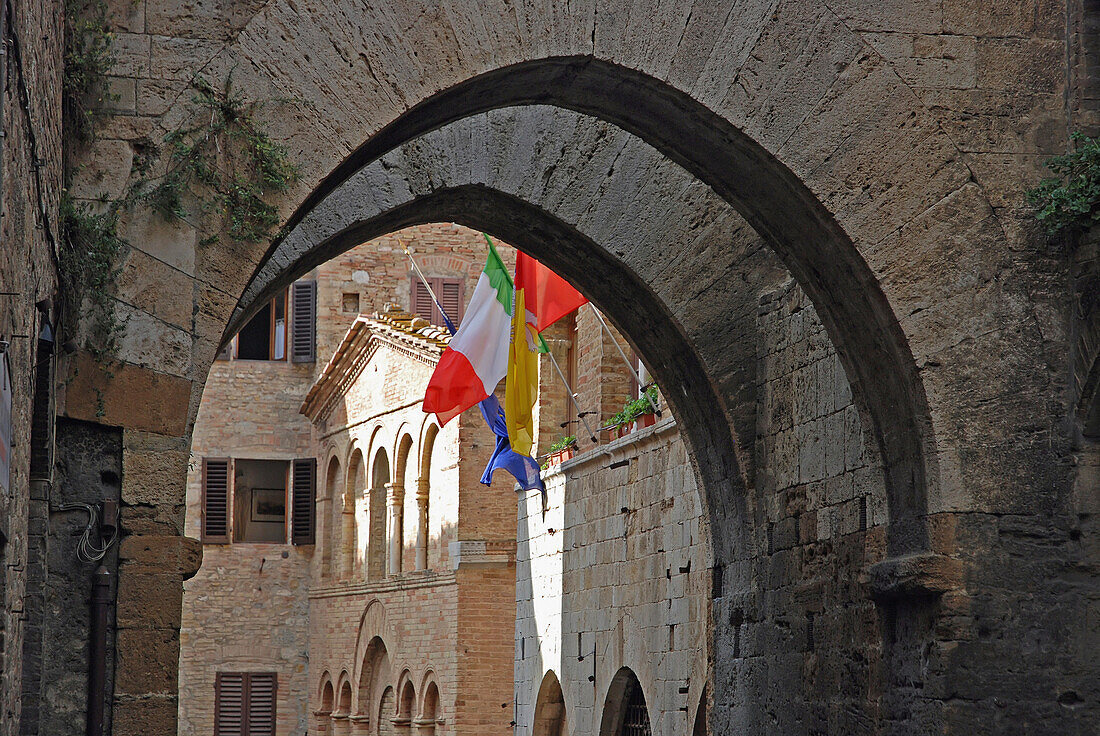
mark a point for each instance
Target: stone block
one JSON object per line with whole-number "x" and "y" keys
{"x": 170, "y": 241}
{"x": 148, "y": 661}
{"x": 145, "y": 716}
{"x": 154, "y": 469}
{"x": 160, "y": 555}
{"x": 148, "y": 341}
{"x": 153, "y": 286}
{"x": 148, "y": 601}
{"x": 131, "y": 54}
{"x": 178, "y": 58}
{"x": 133, "y": 397}
{"x": 106, "y": 173}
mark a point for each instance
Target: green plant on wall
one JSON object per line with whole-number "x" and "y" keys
{"x": 1070, "y": 201}
{"x": 634, "y": 408}
{"x": 88, "y": 61}
{"x": 87, "y": 268}
{"x": 221, "y": 163}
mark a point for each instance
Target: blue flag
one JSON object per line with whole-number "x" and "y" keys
{"x": 524, "y": 468}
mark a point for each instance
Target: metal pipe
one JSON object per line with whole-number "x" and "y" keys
{"x": 641, "y": 386}
{"x": 97, "y": 651}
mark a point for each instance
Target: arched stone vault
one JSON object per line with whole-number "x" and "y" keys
{"x": 649, "y": 242}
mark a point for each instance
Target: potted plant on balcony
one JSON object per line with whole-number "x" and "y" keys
{"x": 635, "y": 414}
{"x": 562, "y": 450}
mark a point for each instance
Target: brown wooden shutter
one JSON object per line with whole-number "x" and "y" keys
{"x": 262, "y": 687}
{"x": 303, "y": 295}
{"x": 303, "y": 491}
{"x": 229, "y": 704}
{"x": 215, "y": 500}
{"x": 450, "y": 296}
{"x": 420, "y": 301}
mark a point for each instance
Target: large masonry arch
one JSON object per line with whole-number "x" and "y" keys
{"x": 619, "y": 142}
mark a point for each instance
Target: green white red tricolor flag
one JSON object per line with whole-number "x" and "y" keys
{"x": 477, "y": 357}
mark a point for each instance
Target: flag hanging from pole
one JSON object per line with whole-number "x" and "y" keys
{"x": 541, "y": 298}
{"x": 477, "y": 356}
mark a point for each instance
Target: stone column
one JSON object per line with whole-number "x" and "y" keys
{"x": 422, "y": 523}
{"x": 341, "y": 724}
{"x": 395, "y": 503}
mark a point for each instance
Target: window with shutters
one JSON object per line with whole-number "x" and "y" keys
{"x": 259, "y": 500}
{"x": 449, "y": 291}
{"x": 245, "y": 703}
{"x": 215, "y": 500}
{"x": 285, "y": 326}
{"x": 264, "y": 337}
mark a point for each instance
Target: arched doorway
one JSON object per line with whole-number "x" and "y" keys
{"x": 625, "y": 712}
{"x": 550, "y": 711}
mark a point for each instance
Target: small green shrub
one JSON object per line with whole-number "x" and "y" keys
{"x": 635, "y": 408}
{"x": 221, "y": 162}
{"x": 563, "y": 444}
{"x": 88, "y": 61}
{"x": 87, "y": 267}
{"x": 1070, "y": 201}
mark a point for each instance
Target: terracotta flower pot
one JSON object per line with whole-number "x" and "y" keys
{"x": 647, "y": 420}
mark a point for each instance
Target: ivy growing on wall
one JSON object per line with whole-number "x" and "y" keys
{"x": 1070, "y": 200}
{"x": 215, "y": 171}
{"x": 221, "y": 163}
{"x": 88, "y": 61}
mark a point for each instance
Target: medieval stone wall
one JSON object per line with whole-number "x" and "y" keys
{"x": 30, "y": 188}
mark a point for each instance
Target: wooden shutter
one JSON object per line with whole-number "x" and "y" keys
{"x": 303, "y": 491}
{"x": 420, "y": 301}
{"x": 215, "y": 500}
{"x": 229, "y": 704}
{"x": 450, "y": 296}
{"x": 262, "y": 688}
{"x": 244, "y": 703}
{"x": 303, "y": 296}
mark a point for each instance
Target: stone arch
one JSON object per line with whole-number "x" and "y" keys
{"x": 341, "y": 714}
{"x": 374, "y": 673}
{"x": 625, "y": 703}
{"x": 327, "y": 515}
{"x": 550, "y": 711}
{"x": 355, "y": 483}
{"x": 406, "y": 702}
{"x": 423, "y": 492}
{"x": 774, "y": 201}
{"x": 386, "y": 713}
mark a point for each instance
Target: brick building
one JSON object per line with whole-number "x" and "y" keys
{"x": 252, "y": 448}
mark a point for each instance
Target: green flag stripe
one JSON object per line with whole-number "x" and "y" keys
{"x": 498, "y": 277}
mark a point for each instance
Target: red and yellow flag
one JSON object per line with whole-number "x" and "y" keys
{"x": 541, "y": 298}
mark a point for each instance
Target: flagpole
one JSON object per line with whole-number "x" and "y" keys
{"x": 573, "y": 398}
{"x": 625, "y": 359}
{"x": 420, "y": 275}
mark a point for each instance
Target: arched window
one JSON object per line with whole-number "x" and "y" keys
{"x": 323, "y": 714}
{"x": 372, "y": 677}
{"x": 327, "y": 515}
{"x": 429, "y": 712}
{"x": 396, "y": 502}
{"x": 423, "y": 494}
{"x": 354, "y": 484}
{"x": 624, "y": 711}
{"x": 376, "y": 533}
{"x": 405, "y": 707}
{"x": 386, "y": 714}
{"x": 341, "y": 725}
{"x": 549, "y": 708}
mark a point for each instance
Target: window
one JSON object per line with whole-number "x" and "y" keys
{"x": 247, "y": 500}
{"x": 288, "y": 323}
{"x": 244, "y": 703}
{"x": 259, "y": 500}
{"x": 350, "y": 302}
{"x": 449, "y": 291}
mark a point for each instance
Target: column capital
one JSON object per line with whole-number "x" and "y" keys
{"x": 394, "y": 492}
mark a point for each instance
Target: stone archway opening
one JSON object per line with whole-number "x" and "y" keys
{"x": 625, "y": 712}
{"x": 550, "y": 713}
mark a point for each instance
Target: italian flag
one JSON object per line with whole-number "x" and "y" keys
{"x": 476, "y": 359}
